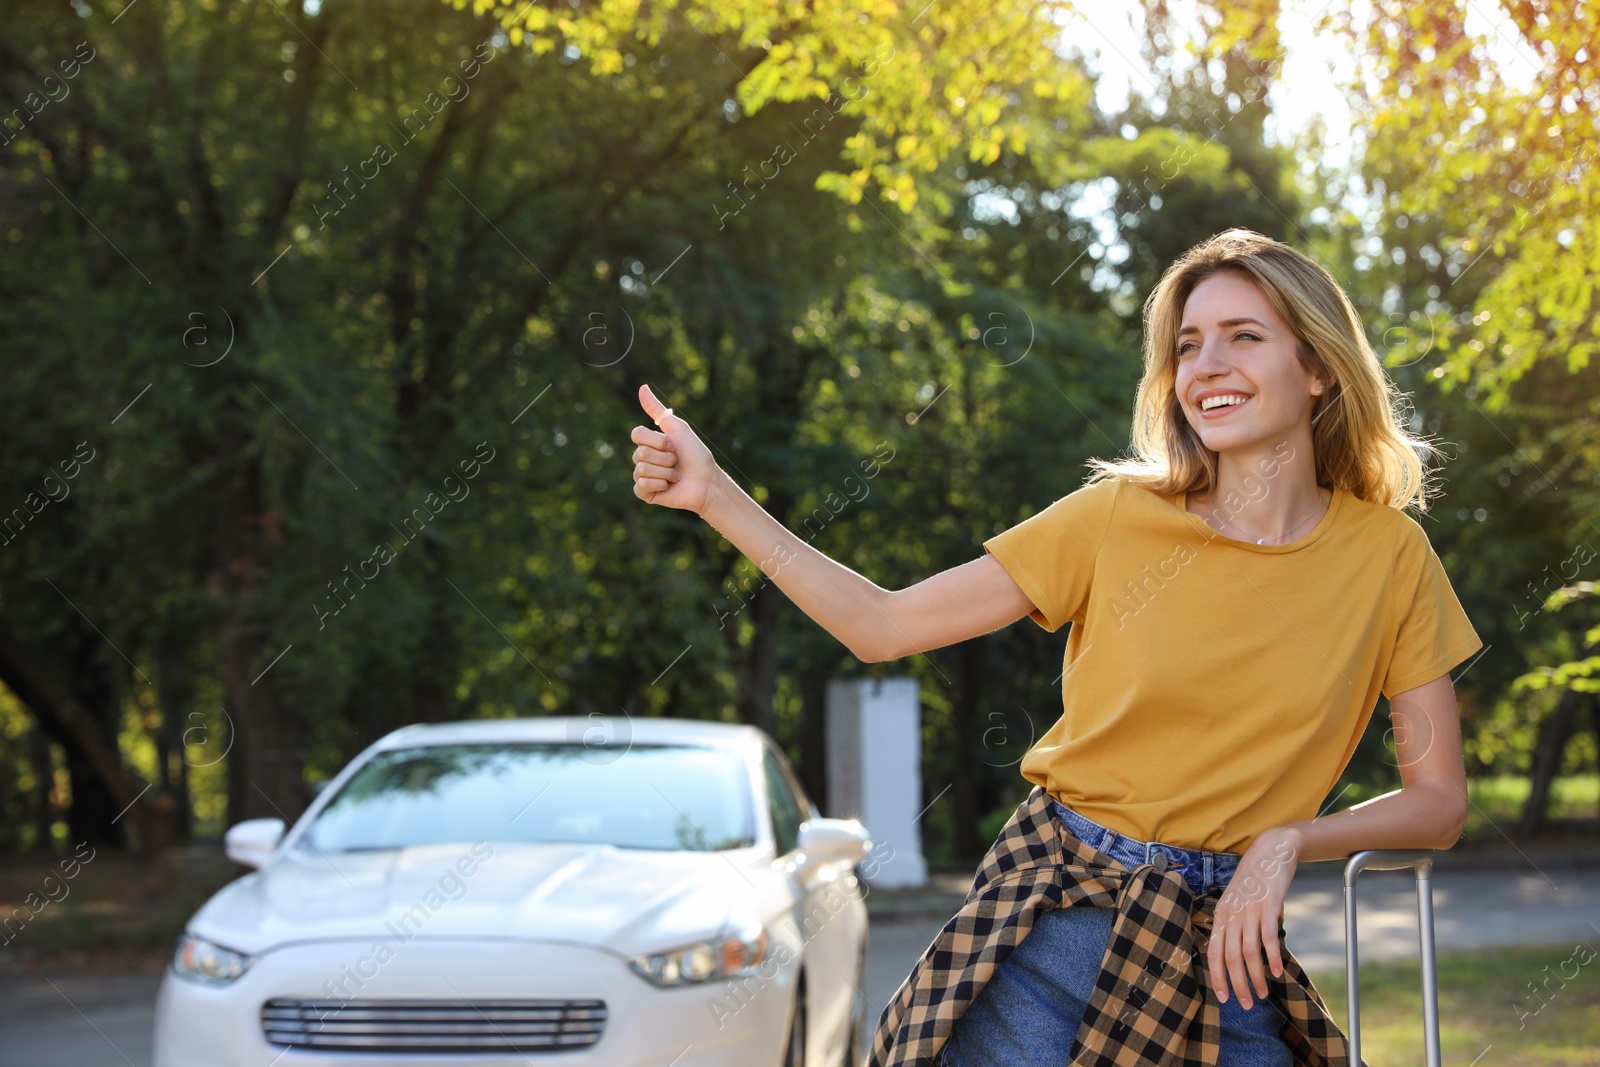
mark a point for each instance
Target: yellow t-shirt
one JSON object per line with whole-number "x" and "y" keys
{"x": 1213, "y": 687}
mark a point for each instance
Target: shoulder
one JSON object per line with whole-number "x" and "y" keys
{"x": 1097, "y": 496}
{"x": 1384, "y": 528}
{"x": 1082, "y": 515}
{"x": 1103, "y": 486}
{"x": 1391, "y": 541}
{"x": 1110, "y": 500}
{"x": 1133, "y": 501}
{"x": 1096, "y": 500}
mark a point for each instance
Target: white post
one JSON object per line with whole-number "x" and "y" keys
{"x": 875, "y": 773}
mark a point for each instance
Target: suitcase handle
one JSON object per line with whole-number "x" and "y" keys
{"x": 1393, "y": 860}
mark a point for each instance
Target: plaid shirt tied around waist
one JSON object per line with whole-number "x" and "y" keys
{"x": 1152, "y": 1003}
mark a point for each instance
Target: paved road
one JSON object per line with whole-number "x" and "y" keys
{"x": 47, "y": 1021}
{"x": 56, "y": 1019}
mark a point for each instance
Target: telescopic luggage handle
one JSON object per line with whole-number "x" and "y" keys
{"x": 1394, "y": 860}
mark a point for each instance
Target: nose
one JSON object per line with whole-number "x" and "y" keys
{"x": 1208, "y": 359}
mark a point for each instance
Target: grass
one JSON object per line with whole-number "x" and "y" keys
{"x": 1576, "y": 796}
{"x": 112, "y": 901}
{"x": 1488, "y": 1012}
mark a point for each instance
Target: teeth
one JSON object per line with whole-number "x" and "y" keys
{"x": 1221, "y": 401}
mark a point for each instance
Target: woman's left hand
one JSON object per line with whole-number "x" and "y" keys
{"x": 1247, "y": 917}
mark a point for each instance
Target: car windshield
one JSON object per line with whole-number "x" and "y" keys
{"x": 645, "y": 796}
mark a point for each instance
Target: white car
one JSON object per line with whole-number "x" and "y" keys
{"x": 534, "y": 891}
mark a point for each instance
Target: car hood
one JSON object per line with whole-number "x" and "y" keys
{"x": 623, "y": 900}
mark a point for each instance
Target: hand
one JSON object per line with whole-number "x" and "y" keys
{"x": 1247, "y": 916}
{"x": 672, "y": 468}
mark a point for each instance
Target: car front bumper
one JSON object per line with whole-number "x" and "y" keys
{"x": 711, "y": 1025}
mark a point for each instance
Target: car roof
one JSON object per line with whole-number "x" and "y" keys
{"x": 618, "y": 729}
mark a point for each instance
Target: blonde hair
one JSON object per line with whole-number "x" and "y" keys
{"x": 1359, "y": 440}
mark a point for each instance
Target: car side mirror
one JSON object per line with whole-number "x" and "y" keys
{"x": 252, "y": 841}
{"x": 834, "y": 841}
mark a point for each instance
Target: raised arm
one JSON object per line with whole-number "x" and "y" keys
{"x": 673, "y": 468}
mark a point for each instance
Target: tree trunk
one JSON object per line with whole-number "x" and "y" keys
{"x": 92, "y": 816}
{"x": 265, "y": 762}
{"x": 265, "y": 777}
{"x": 177, "y": 704}
{"x": 967, "y": 711}
{"x": 428, "y": 694}
{"x": 96, "y": 812}
{"x": 814, "y": 671}
{"x": 39, "y": 813}
{"x": 758, "y": 674}
{"x": 758, "y": 670}
{"x": 101, "y": 787}
{"x": 1553, "y": 735}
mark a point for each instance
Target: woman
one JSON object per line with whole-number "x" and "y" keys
{"x": 1241, "y": 590}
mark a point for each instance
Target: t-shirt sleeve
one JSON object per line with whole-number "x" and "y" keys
{"x": 1433, "y": 633}
{"x": 1051, "y": 555}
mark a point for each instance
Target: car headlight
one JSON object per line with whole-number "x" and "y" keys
{"x": 723, "y": 956}
{"x": 202, "y": 961}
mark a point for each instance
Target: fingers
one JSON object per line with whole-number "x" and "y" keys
{"x": 1216, "y": 963}
{"x": 648, "y": 401}
{"x": 654, "y": 463}
{"x": 655, "y": 460}
{"x": 1235, "y": 959}
{"x": 643, "y": 435}
{"x": 1274, "y": 953}
{"x": 646, "y": 454}
{"x": 1224, "y": 954}
{"x": 1233, "y": 956}
{"x": 659, "y": 413}
{"x": 652, "y": 471}
{"x": 1250, "y": 949}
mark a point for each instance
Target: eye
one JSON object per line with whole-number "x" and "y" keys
{"x": 1183, "y": 348}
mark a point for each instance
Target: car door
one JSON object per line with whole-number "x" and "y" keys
{"x": 828, "y": 921}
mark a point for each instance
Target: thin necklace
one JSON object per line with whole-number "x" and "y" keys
{"x": 1286, "y": 533}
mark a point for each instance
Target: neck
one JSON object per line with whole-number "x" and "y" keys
{"x": 1267, "y": 493}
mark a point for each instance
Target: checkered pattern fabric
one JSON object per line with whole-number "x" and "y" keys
{"x": 1153, "y": 1002}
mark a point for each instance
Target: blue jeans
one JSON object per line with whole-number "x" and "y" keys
{"x": 1027, "y": 1014}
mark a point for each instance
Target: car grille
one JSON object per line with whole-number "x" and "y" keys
{"x": 434, "y": 1025}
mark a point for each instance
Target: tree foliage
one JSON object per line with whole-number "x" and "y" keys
{"x": 336, "y": 315}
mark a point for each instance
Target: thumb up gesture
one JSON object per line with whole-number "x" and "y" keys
{"x": 671, "y": 466}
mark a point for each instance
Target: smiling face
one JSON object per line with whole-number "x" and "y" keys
{"x": 1233, "y": 346}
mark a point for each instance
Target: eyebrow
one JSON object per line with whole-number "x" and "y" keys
{"x": 1225, "y": 323}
